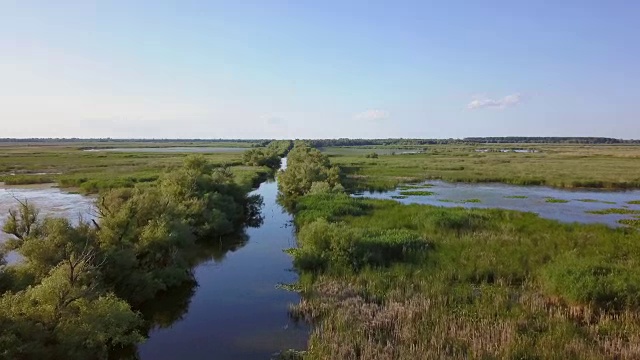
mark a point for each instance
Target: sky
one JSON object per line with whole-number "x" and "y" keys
{"x": 319, "y": 69}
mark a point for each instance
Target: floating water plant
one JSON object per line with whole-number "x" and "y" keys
{"x": 417, "y": 193}
{"x": 614, "y": 211}
{"x": 554, "y": 200}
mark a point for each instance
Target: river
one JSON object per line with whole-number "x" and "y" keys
{"x": 237, "y": 310}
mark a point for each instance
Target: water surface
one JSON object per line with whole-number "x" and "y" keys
{"x": 494, "y": 195}
{"x": 49, "y": 200}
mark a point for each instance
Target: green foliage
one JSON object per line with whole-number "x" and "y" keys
{"x": 306, "y": 166}
{"x": 262, "y": 157}
{"x": 593, "y": 280}
{"x": 72, "y": 294}
{"x": 372, "y": 155}
{"x": 321, "y": 243}
{"x": 328, "y": 206}
{"x": 500, "y": 283}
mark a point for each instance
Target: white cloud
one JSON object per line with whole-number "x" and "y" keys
{"x": 372, "y": 115}
{"x": 483, "y": 102}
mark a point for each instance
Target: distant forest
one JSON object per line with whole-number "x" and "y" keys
{"x": 354, "y": 142}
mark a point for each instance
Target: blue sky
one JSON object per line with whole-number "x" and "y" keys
{"x": 316, "y": 69}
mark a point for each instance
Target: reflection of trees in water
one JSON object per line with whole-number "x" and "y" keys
{"x": 170, "y": 306}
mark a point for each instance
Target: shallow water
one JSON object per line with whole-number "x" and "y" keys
{"x": 49, "y": 200}
{"x": 175, "y": 150}
{"x": 237, "y": 311}
{"x": 493, "y": 196}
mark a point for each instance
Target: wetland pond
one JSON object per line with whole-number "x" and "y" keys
{"x": 558, "y": 204}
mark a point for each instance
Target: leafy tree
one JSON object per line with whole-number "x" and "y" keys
{"x": 306, "y": 166}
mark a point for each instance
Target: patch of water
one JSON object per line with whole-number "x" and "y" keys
{"x": 534, "y": 199}
{"x": 49, "y": 200}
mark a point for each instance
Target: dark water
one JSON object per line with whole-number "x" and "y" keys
{"x": 184, "y": 149}
{"x": 236, "y": 311}
{"x": 495, "y": 195}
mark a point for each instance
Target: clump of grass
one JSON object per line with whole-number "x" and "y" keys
{"x": 414, "y": 186}
{"x": 516, "y": 197}
{"x": 630, "y": 222}
{"x": 471, "y": 201}
{"x": 633, "y": 202}
{"x": 596, "y": 201}
{"x": 446, "y": 200}
{"x": 614, "y": 211}
{"x": 554, "y": 200}
{"x": 399, "y": 196}
{"x": 417, "y": 193}
{"x": 27, "y": 179}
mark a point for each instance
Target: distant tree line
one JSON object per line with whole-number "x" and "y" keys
{"x": 470, "y": 140}
{"x": 352, "y": 142}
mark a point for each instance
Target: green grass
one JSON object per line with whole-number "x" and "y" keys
{"x": 614, "y": 211}
{"x": 553, "y": 200}
{"x": 415, "y": 281}
{"x": 563, "y": 166}
{"x": 634, "y": 202}
{"x": 90, "y": 172}
{"x": 596, "y": 201}
{"x": 417, "y": 193}
{"x": 630, "y": 222}
{"x": 27, "y": 179}
{"x": 515, "y": 197}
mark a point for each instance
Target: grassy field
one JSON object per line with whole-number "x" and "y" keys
{"x": 382, "y": 280}
{"x": 89, "y": 172}
{"x": 565, "y": 166}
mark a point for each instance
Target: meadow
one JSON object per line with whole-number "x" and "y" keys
{"x": 71, "y": 167}
{"x": 384, "y": 280}
{"x": 556, "y": 165}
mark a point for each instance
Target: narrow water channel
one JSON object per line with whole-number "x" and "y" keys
{"x": 237, "y": 310}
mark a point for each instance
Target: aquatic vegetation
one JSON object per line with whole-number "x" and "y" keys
{"x": 553, "y": 200}
{"x": 399, "y": 196}
{"x": 515, "y": 197}
{"x": 630, "y": 222}
{"x": 621, "y": 211}
{"x": 634, "y": 202}
{"x": 596, "y": 201}
{"x": 470, "y": 201}
{"x": 417, "y": 193}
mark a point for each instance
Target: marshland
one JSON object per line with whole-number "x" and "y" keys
{"x": 304, "y": 249}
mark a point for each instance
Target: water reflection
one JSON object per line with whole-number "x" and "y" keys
{"x": 236, "y": 310}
